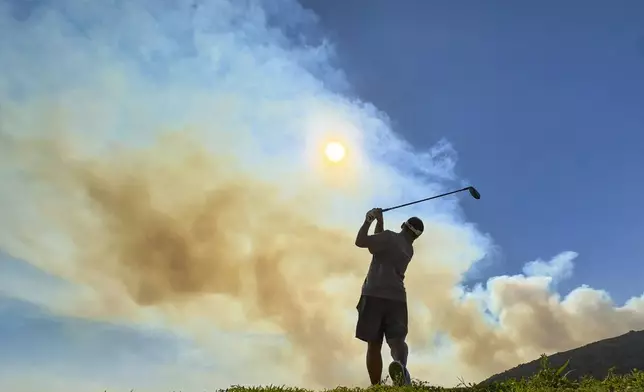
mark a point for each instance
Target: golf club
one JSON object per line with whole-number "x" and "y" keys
{"x": 475, "y": 194}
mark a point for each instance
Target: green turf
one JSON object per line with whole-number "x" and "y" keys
{"x": 546, "y": 380}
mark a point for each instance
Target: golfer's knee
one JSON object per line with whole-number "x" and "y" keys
{"x": 397, "y": 342}
{"x": 397, "y": 346}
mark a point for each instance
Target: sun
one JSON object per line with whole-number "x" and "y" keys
{"x": 334, "y": 151}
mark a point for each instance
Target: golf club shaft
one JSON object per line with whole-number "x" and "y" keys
{"x": 422, "y": 200}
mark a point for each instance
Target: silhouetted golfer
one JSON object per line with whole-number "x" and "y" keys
{"x": 382, "y": 309}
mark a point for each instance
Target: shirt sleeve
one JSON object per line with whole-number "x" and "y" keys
{"x": 378, "y": 242}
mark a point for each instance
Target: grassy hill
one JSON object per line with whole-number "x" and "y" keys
{"x": 609, "y": 365}
{"x": 547, "y": 380}
{"x": 622, "y": 354}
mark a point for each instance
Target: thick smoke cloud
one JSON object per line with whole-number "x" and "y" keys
{"x": 164, "y": 159}
{"x": 165, "y": 226}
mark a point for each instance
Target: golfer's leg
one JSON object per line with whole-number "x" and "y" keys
{"x": 399, "y": 350}
{"x": 396, "y": 322}
{"x": 396, "y": 332}
{"x": 374, "y": 361}
{"x": 398, "y": 368}
{"x": 370, "y": 330}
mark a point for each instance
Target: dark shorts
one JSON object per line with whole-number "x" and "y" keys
{"x": 380, "y": 317}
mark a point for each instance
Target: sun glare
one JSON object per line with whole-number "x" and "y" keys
{"x": 334, "y": 151}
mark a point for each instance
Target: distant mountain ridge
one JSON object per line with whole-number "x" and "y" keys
{"x": 622, "y": 353}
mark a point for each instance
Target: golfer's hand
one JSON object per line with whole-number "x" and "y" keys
{"x": 377, "y": 212}
{"x": 374, "y": 214}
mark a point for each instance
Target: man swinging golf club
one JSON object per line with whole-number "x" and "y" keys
{"x": 382, "y": 309}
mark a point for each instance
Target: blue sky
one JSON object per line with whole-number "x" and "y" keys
{"x": 543, "y": 103}
{"x": 166, "y": 206}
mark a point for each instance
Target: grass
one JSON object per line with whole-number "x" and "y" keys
{"x": 546, "y": 380}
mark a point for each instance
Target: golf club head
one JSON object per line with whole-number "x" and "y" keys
{"x": 475, "y": 194}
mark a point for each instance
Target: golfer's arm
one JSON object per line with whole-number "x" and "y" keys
{"x": 362, "y": 239}
{"x": 380, "y": 226}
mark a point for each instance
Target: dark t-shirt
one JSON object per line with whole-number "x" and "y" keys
{"x": 391, "y": 255}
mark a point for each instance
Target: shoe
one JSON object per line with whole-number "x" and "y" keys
{"x": 399, "y": 374}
